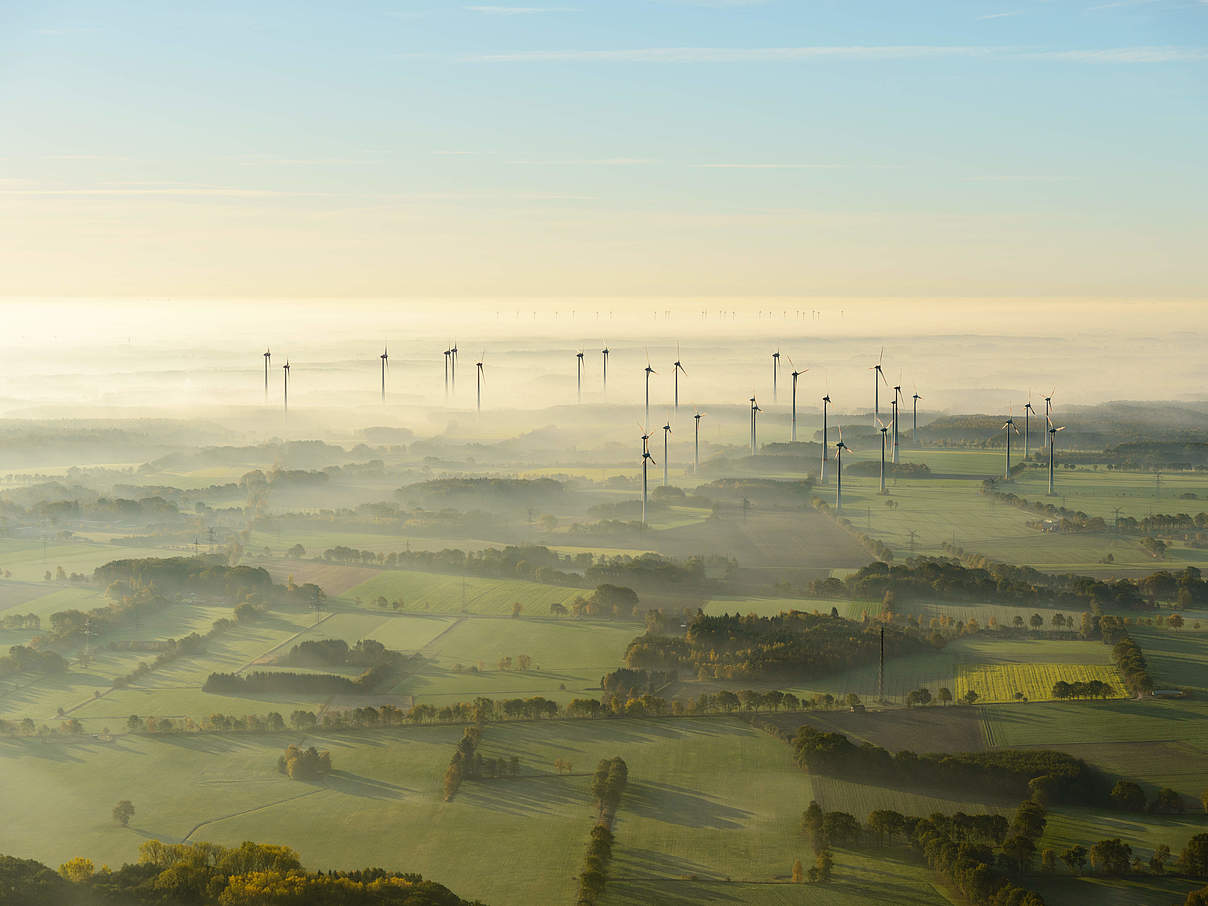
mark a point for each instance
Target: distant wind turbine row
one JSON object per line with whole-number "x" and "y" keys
{"x": 888, "y": 429}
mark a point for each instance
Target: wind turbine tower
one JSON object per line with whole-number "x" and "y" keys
{"x": 878, "y": 375}
{"x": 666, "y": 461}
{"x": 447, "y": 354}
{"x": 1052, "y": 443}
{"x": 884, "y": 433}
{"x": 897, "y": 396}
{"x": 385, "y": 357}
{"x": 1008, "y": 426}
{"x": 1028, "y": 411}
{"x": 453, "y": 373}
{"x": 286, "y": 369}
{"x": 822, "y": 472}
{"x": 267, "y": 357}
{"x": 839, "y": 448}
{"x": 679, "y": 366}
{"x": 696, "y": 453}
{"x": 915, "y": 430}
{"x": 579, "y": 375}
{"x": 775, "y": 372}
{"x": 649, "y": 371}
{"x": 796, "y": 374}
{"x": 480, "y": 378}
{"x": 1048, "y": 416}
{"x": 646, "y": 460}
{"x": 604, "y": 353}
{"x": 754, "y": 411}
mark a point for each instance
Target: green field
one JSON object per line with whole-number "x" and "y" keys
{"x": 948, "y": 507}
{"x": 569, "y": 658}
{"x": 442, "y": 593}
{"x": 687, "y": 810}
{"x": 28, "y": 560}
{"x": 1159, "y": 743}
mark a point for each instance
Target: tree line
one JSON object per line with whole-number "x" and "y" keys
{"x": 607, "y": 786}
{"x": 1061, "y": 776}
{"x": 794, "y": 644}
{"x": 205, "y": 874}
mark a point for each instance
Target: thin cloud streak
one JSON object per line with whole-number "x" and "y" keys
{"x": 772, "y": 166}
{"x": 520, "y": 10}
{"x": 852, "y": 53}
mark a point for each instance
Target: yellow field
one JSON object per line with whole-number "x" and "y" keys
{"x": 1000, "y": 682}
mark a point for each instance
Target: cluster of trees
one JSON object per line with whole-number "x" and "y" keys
{"x": 979, "y": 865}
{"x": 304, "y": 764}
{"x": 464, "y": 760}
{"x": 204, "y": 575}
{"x": 23, "y": 659}
{"x": 1077, "y": 689}
{"x": 947, "y": 578}
{"x": 337, "y": 653}
{"x": 629, "y": 683}
{"x": 380, "y": 662}
{"x": 1013, "y": 772}
{"x": 607, "y": 786}
{"x": 533, "y": 563}
{"x": 794, "y": 644}
{"x": 18, "y": 621}
{"x": 204, "y": 874}
{"x": 1130, "y": 797}
{"x": 1130, "y": 661}
{"x": 612, "y": 601}
{"x": 289, "y": 681}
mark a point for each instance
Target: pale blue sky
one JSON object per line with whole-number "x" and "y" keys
{"x": 624, "y": 148}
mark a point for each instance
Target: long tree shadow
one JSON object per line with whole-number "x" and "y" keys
{"x": 638, "y": 864}
{"x": 365, "y": 787}
{"x": 680, "y": 805}
{"x": 550, "y": 794}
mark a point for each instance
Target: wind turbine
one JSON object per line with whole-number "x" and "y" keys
{"x": 878, "y": 374}
{"x": 1028, "y": 411}
{"x": 676, "y": 371}
{"x": 579, "y": 375}
{"x": 839, "y": 448}
{"x": 1048, "y": 415}
{"x": 1052, "y": 443}
{"x": 604, "y": 352}
{"x": 822, "y": 472}
{"x": 915, "y": 435}
{"x": 666, "y": 434}
{"x": 696, "y": 454}
{"x": 448, "y": 353}
{"x": 480, "y": 377}
{"x": 646, "y": 460}
{"x": 453, "y": 353}
{"x": 775, "y": 372}
{"x": 649, "y": 371}
{"x": 884, "y": 428}
{"x": 796, "y": 374}
{"x": 385, "y": 357}
{"x": 897, "y": 395}
{"x": 754, "y": 411}
{"x": 1008, "y": 426}
{"x": 286, "y": 368}
{"x": 267, "y": 356}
